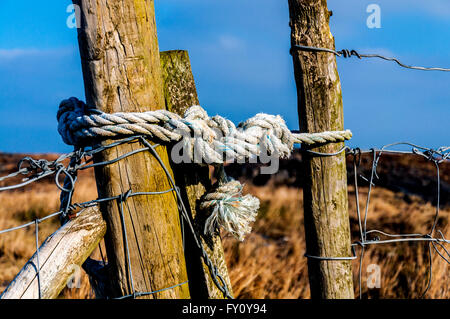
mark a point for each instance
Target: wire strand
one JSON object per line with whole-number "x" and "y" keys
{"x": 349, "y": 53}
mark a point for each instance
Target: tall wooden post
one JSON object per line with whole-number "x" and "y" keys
{"x": 122, "y": 72}
{"x": 180, "y": 93}
{"x": 320, "y": 109}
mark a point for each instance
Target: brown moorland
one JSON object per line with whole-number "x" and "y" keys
{"x": 270, "y": 262}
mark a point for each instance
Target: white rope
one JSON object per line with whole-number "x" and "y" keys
{"x": 213, "y": 137}
{"x": 229, "y": 209}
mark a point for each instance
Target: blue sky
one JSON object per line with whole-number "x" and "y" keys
{"x": 240, "y": 57}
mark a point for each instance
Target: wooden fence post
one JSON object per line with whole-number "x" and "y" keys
{"x": 180, "y": 94}
{"x": 122, "y": 72}
{"x": 60, "y": 255}
{"x": 320, "y": 109}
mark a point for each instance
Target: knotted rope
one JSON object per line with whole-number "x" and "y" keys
{"x": 212, "y": 137}
{"x": 230, "y": 209}
{"x": 205, "y": 139}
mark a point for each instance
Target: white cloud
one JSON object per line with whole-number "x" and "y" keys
{"x": 15, "y": 53}
{"x": 10, "y": 54}
{"x": 230, "y": 42}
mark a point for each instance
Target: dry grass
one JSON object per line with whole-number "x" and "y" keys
{"x": 270, "y": 262}
{"x": 19, "y": 207}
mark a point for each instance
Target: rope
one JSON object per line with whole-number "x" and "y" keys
{"x": 230, "y": 210}
{"x": 205, "y": 138}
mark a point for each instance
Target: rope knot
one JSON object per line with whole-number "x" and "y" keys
{"x": 69, "y": 113}
{"x": 205, "y": 139}
{"x": 271, "y": 132}
{"x": 196, "y": 112}
{"x": 230, "y": 209}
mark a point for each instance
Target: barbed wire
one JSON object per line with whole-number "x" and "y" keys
{"x": 345, "y": 53}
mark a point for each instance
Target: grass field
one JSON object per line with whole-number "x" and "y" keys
{"x": 270, "y": 262}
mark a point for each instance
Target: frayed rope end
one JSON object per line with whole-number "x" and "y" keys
{"x": 230, "y": 210}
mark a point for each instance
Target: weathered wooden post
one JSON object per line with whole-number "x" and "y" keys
{"x": 325, "y": 192}
{"x": 122, "y": 72}
{"x": 60, "y": 256}
{"x": 180, "y": 93}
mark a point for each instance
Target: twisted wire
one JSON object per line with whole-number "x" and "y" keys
{"x": 345, "y": 53}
